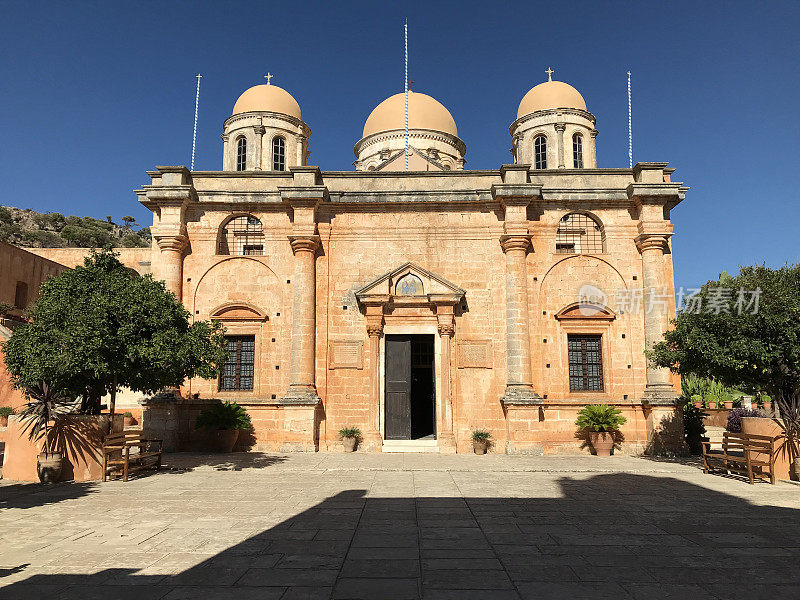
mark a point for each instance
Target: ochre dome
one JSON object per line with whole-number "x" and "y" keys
{"x": 424, "y": 112}
{"x": 267, "y": 98}
{"x": 550, "y": 94}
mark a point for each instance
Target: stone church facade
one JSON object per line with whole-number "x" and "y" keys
{"x": 413, "y": 298}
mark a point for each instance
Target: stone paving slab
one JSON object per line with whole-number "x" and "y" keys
{"x": 417, "y": 527}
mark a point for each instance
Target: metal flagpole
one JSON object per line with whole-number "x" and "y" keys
{"x": 405, "y": 32}
{"x": 196, "y": 104}
{"x": 630, "y": 129}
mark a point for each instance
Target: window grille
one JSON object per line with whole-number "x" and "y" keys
{"x": 239, "y": 367}
{"x": 540, "y": 152}
{"x": 242, "y": 236}
{"x": 577, "y": 151}
{"x": 585, "y": 363}
{"x": 278, "y": 154}
{"x": 241, "y": 154}
{"x": 579, "y": 234}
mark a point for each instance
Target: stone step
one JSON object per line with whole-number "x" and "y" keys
{"x": 426, "y": 446}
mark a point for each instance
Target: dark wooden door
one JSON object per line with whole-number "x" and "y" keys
{"x": 398, "y": 387}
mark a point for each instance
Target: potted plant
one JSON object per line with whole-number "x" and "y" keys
{"x": 727, "y": 400}
{"x": 5, "y": 412}
{"x": 712, "y": 400}
{"x": 350, "y": 437}
{"x": 766, "y": 402}
{"x": 127, "y": 418}
{"x": 45, "y": 406}
{"x": 697, "y": 401}
{"x": 734, "y": 424}
{"x": 789, "y": 422}
{"x": 601, "y": 421}
{"x": 480, "y": 441}
{"x": 225, "y": 420}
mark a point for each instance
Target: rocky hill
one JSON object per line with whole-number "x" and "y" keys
{"x": 30, "y": 229}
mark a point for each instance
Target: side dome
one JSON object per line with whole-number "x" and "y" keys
{"x": 267, "y": 98}
{"x": 550, "y": 94}
{"x": 424, "y": 112}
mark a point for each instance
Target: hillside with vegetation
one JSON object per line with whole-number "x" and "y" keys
{"x": 31, "y": 229}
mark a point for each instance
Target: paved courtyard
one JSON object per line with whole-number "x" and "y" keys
{"x": 386, "y": 527}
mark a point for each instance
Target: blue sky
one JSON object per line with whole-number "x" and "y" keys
{"x": 94, "y": 94}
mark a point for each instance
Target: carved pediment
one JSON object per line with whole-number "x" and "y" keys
{"x": 410, "y": 283}
{"x": 239, "y": 311}
{"x": 585, "y": 311}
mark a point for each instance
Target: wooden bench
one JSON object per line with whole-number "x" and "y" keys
{"x": 746, "y": 454}
{"x": 117, "y": 455}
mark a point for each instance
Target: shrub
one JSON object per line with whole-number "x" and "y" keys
{"x": 350, "y": 432}
{"x": 481, "y": 435}
{"x": 6, "y": 411}
{"x": 600, "y": 417}
{"x": 127, "y": 413}
{"x": 693, "y": 427}
{"x": 735, "y": 418}
{"x": 226, "y": 415}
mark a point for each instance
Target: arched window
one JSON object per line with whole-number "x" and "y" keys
{"x": 579, "y": 233}
{"x": 540, "y": 152}
{"x": 577, "y": 151}
{"x": 241, "y": 154}
{"x": 242, "y": 236}
{"x": 278, "y": 154}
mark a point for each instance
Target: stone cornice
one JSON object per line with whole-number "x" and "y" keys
{"x": 427, "y": 134}
{"x": 303, "y": 196}
{"x": 552, "y": 111}
{"x": 271, "y": 115}
{"x": 507, "y": 193}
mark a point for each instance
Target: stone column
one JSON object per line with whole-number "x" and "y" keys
{"x": 519, "y": 382}
{"x": 226, "y": 161}
{"x": 560, "y": 128}
{"x": 258, "y": 165}
{"x": 593, "y": 150}
{"x": 372, "y": 436}
{"x": 655, "y": 300}
{"x": 302, "y": 386}
{"x": 170, "y": 267}
{"x": 444, "y": 412}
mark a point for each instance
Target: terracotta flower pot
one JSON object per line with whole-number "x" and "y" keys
{"x": 602, "y": 442}
{"x": 480, "y": 446}
{"x": 349, "y": 444}
{"x": 712, "y": 404}
{"x": 49, "y": 466}
{"x": 768, "y": 406}
{"x": 3, "y": 421}
{"x": 127, "y": 421}
{"x": 729, "y": 404}
{"x": 698, "y": 404}
{"x": 225, "y": 439}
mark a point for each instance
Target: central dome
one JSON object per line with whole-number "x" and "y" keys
{"x": 267, "y": 98}
{"x": 550, "y": 94}
{"x": 424, "y": 112}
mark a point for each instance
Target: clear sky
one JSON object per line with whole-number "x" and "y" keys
{"x": 94, "y": 94}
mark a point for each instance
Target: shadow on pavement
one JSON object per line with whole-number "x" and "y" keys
{"x": 620, "y": 536}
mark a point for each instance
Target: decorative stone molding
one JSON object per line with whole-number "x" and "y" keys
{"x": 304, "y": 243}
{"x": 515, "y": 242}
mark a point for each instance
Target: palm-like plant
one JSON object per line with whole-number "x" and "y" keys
{"x": 789, "y": 421}
{"x": 45, "y": 406}
{"x": 600, "y": 417}
{"x": 225, "y": 415}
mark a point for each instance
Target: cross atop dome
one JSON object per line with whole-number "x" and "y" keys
{"x": 269, "y": 77}
{"x": 549, "y": 74}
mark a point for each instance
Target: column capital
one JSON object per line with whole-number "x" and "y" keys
{"x": 561, "y": 127}
{"x": 176, "y": 243}
{"x": 652, "y": 241}
{"x": 260, "y": 129}
{"x": 593, "y": 133}
{"x": 374, "y": 325}
{"x": 304, "y": 243}
{"x": 515, "y": 242}
{"x": 446, "y": 329}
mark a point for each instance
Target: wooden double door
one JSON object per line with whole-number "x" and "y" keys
{"x": 410, "y": 403}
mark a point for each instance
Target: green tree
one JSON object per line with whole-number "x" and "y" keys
{"x": 730, "y": 339}
{"x": 99, "y": 327}
{"x": 129, "y": 221}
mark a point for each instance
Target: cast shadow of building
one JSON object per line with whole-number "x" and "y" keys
{"x": 607, "y": 536}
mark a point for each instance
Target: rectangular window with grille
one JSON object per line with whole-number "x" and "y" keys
{"x": 237, "y": 373}
{"x": 585, "y": 363}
